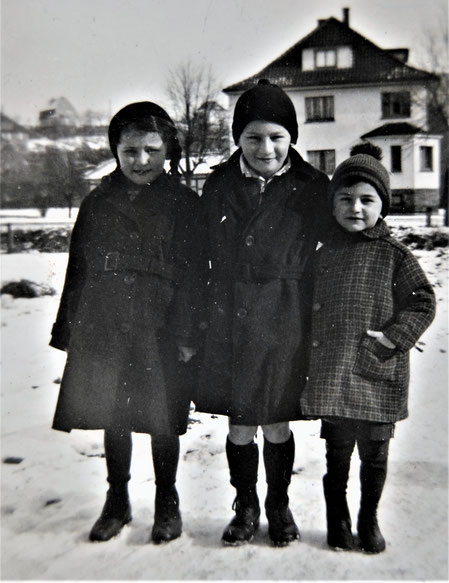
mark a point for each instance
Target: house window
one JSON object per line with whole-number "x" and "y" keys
{"x": 324, "y": 160}
{"x": 325, "y": 58}
{"x": 426, "y": 158}
{"x": 396, "y": 104}
{"x": 320, "y": 108}
{"x": 396, "y": 158}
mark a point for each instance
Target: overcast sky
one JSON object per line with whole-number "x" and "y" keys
{"x": 102, "y": 54}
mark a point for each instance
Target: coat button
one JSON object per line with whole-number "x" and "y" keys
{"x": 316, "y": 307}
{"x": 249, "y": 241}
{"x": 129, "y": 278}
{"x": 242, "y": 313}
{"x": 315, "y": 343}
{"x": 125, "y": 327}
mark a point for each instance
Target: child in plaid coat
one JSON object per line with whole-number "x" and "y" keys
{"x": 371, "y": 303}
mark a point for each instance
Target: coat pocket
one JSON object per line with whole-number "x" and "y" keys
{"x": 376, "y": 362}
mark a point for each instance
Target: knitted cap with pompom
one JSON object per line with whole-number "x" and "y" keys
{"x": 363, "y": 167}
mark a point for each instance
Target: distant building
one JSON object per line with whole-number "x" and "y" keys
{"x": 59, "y": 113}
{"x": 346, "y": 89}
{"x": 12, "y": 132}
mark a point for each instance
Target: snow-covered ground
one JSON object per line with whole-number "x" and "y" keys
{"x": 51, "y": 499}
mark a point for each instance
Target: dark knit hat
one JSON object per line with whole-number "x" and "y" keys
{"x": 363, "y": 168}
{"x": 264, "y": 102}
{"x": 134, "y": 113}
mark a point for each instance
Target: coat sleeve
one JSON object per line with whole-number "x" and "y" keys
{"x": 415, "y": 300}
{"x": 187, "y": 313}
{"x": 73, "y": 284}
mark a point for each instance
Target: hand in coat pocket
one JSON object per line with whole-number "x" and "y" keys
{"x": 380, "y": 337}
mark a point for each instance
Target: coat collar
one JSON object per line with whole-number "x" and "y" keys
{"x": 379, "y": 231}
{"x": 127, "y": 197}
{"x": 297, "y": 162}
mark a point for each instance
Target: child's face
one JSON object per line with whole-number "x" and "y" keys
{"x": 357, "y": 207}
{"x": 141, "y": 155}
{"x": 265, "y": 146}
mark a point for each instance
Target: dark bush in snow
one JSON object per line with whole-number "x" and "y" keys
{"x": 422, "y": 238}
{"x": 52, "y": 240}
{"x": 27, "y": 289}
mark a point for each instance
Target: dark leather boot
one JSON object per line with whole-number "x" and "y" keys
{"x": 339, "y": 525}
{"x": 371, "y": 539}
{"x": 243, "y": 463}
{"x": 243, "y": 526}
{"x": 373, "y": 473}
{"x": 167, "y": 517}
{"x": 117, "y": 509}
{"x": 278, "y": 458}
{"x": 115, "y": 514}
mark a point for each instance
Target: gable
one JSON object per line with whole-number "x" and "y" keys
{"x": 334, "y": 54}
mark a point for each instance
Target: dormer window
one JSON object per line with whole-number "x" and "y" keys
{"x": 325, "y": 58}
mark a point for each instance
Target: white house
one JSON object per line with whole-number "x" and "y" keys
{"x": 345, "y": 90}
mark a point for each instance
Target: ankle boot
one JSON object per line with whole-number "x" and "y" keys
{"x": 167, "y": 517}
{"x": 338, "y": 460}
{"x": 278, "y": 458}
{"x": 115, "y": 514}
{"x": 373, "y": 472}
{"x": 243, "y": 466}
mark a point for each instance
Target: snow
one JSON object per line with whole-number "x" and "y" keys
{"x": 51, "y": 499}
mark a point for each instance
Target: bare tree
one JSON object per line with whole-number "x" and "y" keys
{"x": 61, "y": 179}
{"x": 201, "y": 120}
{"x": 435, "y": 58}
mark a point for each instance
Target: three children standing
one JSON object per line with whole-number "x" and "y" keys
{"x": 130, "y": 309}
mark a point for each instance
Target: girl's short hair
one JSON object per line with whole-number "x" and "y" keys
{"x": 147, "y": 117}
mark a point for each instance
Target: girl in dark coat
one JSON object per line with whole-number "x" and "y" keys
{"x": 372, "y": 302}
{"x": 126, "y": 314}
{"x": 261, "y": 210}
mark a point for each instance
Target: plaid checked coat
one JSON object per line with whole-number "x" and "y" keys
{"x": 254, "y": 360}
{"x": 366, "y": 281}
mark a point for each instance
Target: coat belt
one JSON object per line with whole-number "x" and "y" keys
{"x": 246, "y": 272}
{"x": 116, "y": 261}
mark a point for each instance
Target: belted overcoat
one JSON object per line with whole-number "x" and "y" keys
{"x": 127, "y": 304}
{"x": 259, "y": 246}
{"x": 364, "y": 281}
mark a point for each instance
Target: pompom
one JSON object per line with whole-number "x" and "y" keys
{"x": 367, "y": 148}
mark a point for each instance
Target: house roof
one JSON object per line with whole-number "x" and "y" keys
{"x": 371, "y": 64}
{"x": 10, "y": 126}
{"x": 395, "y": 129}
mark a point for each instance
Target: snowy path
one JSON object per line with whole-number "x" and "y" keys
{"x": 51, "y": 499}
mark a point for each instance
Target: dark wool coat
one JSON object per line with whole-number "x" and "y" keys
{"x": 364, "y": 281}
{"x": 126, "y": 306}
{"x": 254, "y": 357}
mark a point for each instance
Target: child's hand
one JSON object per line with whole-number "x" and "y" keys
{"x": 381, "y": 338}
{"x": 185, "y": 353}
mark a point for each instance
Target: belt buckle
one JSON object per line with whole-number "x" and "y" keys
{"x": 111, "y": 261}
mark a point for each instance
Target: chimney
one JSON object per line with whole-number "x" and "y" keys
{"x": 346, "y": 16}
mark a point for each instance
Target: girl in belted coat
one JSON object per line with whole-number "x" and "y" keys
{"x": 262, "y": 210}
{"x": 126, "y": 317}
{"x": 372, "y": 301}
